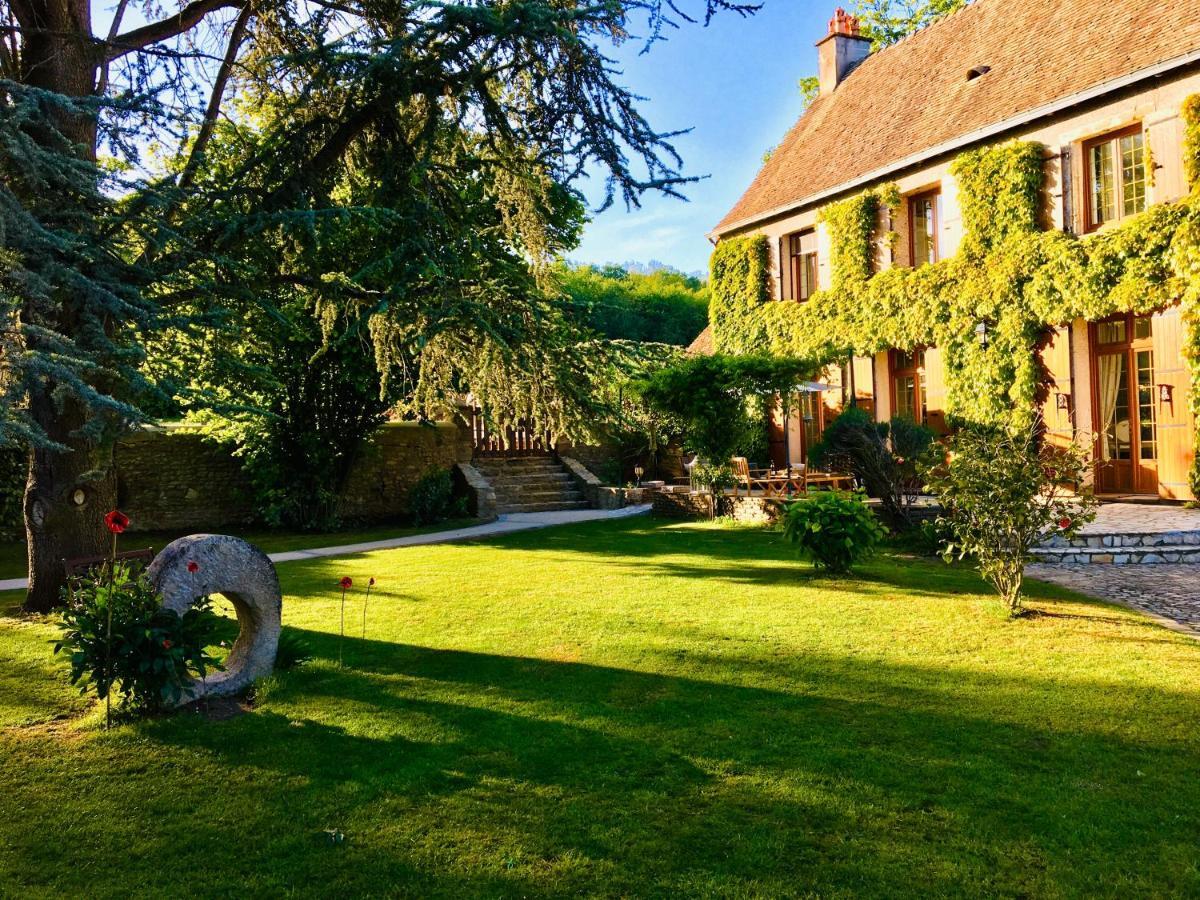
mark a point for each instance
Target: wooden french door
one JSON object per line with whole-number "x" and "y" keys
{"x": 1125, "y": 401}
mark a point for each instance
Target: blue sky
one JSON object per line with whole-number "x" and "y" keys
{"x": 734, "y": 84}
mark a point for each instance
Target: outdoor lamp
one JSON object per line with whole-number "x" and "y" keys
{"x": 638, "y": 472}
{"x": 981, "y": 334}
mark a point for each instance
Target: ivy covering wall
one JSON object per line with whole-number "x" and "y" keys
{"x": 1011, "y": 275}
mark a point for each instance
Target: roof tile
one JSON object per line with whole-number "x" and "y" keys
{"x": 915, "y": 95}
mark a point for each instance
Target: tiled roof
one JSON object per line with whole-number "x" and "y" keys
{"x": 915, "y": 95}
{"x": 703, "y": 344}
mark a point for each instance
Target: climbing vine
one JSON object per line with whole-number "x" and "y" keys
{"x": 1010, "y": 275}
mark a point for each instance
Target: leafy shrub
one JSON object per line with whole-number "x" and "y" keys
{"x": 889, "y": 458}
{"x": 13, "y": 465}
{"x": 719, "y": 400}
{"x": 432, "y": 499}
{"x": 835, "y": 530}
{"x": 120, "y": 638}
{"x": 1004, "y": 493}
{"x": 716, "y": 478}
{"x": 293, "y": 651}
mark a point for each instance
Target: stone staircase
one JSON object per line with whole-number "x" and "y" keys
{"x": 1122, "y": 549}
{"x": 1129, "y": 535}
{"x": 531, "y": 484}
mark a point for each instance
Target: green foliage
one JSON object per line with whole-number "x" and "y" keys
{"x": 999, "y": 192}
{"x": 717, "y": 399}
{"x": 14, "y": 465}
{"x": 716, "y": 477}
{"x": 1005, "y": 492}
{"x": 432, "y": 499}
{"x": 851, "y": 226}
{"x": 292, "y": 651}
{"x": 810, "y": 89}
{"x": 665, "y": 307}
{"x": 739, "y": 275}
{"x": 1191, "y": 139}
{"x": 835, "y": 530}
{"x": 300, "y": 412}
{"x": 886, "y": 457}
{"x": 119, "y": 637}
{"x": 887, "y": 21}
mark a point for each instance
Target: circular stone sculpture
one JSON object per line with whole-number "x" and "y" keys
{"x": 242, "y": 573}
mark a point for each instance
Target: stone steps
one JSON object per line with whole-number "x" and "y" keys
{"x": 1129, "y": 539}
{"x": 531, "y": 484}
{"x": 1122, "y": 548}
{"x": 1118, "y": 555}
{"x": 551, "y": 506}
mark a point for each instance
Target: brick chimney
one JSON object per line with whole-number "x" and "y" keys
{"x": 840, "y": 51}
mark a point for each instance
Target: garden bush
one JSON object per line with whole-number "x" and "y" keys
{"x": 835, "y": 530}
{"x": 13, "y": 465}
{"x": 1005, "y": 492}
{"x": 432, "y": 499}
{"x": 120, "y": 638}
{"x": 720, "y": 401}
{"x": 888, "y": 458}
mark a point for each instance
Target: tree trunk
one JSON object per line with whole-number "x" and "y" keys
{"x": 68, "y": 491}
{"x": 66, "y": 497}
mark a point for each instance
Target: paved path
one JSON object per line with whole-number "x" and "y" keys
{"x": 503, "y": 525}
{"x": 1170, "y": 593}
{"x": 1142, "y": 518}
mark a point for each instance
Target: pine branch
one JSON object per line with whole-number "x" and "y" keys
{"x": 165, "y": 29}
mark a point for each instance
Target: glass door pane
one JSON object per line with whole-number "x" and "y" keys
{"x": 1104, "y": 194}
{"x": 1113, "y": 391}
{"x": 1147, "y": 425}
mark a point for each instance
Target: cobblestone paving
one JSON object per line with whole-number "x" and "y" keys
{"x": 1141, "y": 518}
{"x": 1170, "y": 591}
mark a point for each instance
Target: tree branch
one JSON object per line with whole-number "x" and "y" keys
{"x": 114, "y": 28}
{"x": 215, "y": 100}
{"x": 172, "y": 26}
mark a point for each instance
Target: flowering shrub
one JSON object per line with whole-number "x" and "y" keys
{"x": 120, "y": 639}
{"x": 1004, "y": 493}
{"x": 835, "y": 530}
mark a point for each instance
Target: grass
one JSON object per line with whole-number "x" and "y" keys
{"x": 13, "y": 559}
{"x": 632, "y": 708}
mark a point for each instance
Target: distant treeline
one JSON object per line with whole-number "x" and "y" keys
{"x": 664, "y": 306}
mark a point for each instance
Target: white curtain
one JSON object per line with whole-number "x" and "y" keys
{"x": 1111, "y": 366}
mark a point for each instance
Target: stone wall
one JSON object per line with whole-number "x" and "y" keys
{"x": 686, "y": 505}
{"x": 175, "y": 479}
{"x": 397, "y": 457}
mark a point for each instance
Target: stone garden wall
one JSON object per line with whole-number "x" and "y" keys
{"x": 681, "y": 504}
{"x": 175, "y": 479}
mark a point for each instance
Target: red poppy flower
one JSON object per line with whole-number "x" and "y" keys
{"x": 116, "y": 521}
{"x": 1064, "y": 523}
{"x": 166, "y": 644}
{"x": 346, "y": 582}
{"x": 193, "y": 566}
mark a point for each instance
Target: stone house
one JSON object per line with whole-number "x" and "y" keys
{"x": 1102, "y": 88}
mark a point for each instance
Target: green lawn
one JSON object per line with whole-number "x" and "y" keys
{"x": 13, "y": 559}
{"x": 633, "y": 708}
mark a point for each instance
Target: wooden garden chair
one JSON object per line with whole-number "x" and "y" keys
{"x": 772, "y": 484}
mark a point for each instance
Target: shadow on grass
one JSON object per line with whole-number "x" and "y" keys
{"x": 850, "y": 776}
